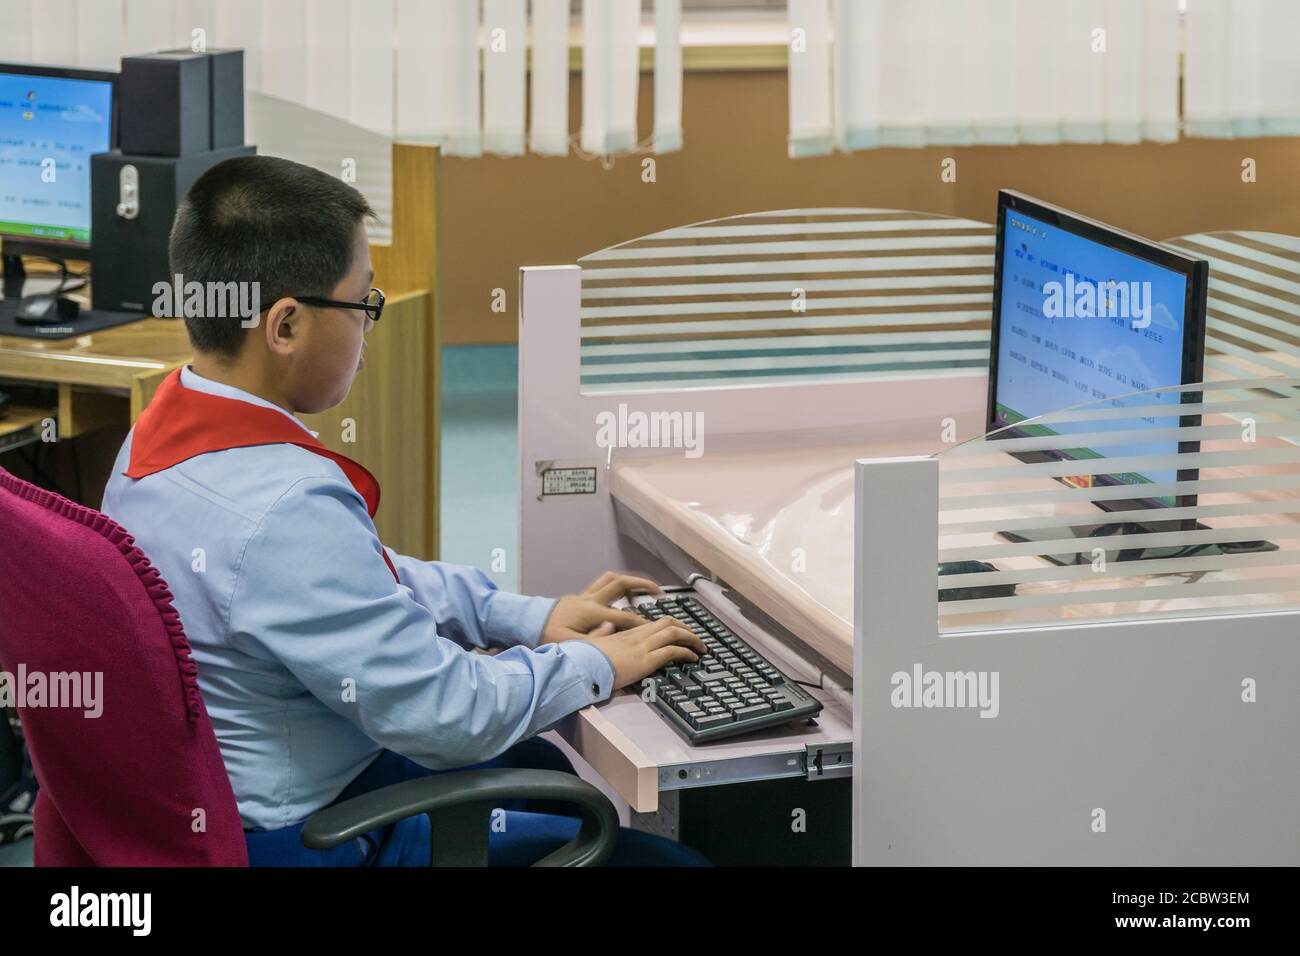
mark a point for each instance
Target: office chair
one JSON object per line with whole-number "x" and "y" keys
{"x": 143, "y": 784}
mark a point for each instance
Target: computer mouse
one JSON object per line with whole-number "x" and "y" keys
{"x": 972, "y": 592}
{"x": 46, "y": 309}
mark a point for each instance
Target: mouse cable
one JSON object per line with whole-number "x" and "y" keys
{"x": 81, "y": 278}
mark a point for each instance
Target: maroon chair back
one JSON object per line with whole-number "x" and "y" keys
{"x": 128, "y": 765}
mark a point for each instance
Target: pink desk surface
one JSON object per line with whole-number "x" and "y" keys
{"x": 776, "y": 524}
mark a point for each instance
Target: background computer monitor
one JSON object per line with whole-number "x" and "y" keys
{"x": 51, "y": 113}
{"x": 1040, "y": 364}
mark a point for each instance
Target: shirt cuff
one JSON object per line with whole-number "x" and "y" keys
{"x": 517, "y": 618}
{"x": 593, "y": 663}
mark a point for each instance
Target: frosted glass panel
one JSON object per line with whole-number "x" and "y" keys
{"x": 1171, "y": 502}
{"x": 1253, "y": 314}
{"x": 334, "y": 146}
{"x": 791, "y": 296}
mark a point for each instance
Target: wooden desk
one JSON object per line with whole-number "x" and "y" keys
{"x": 105, "y": 379}
{"x": 113, "y": 358}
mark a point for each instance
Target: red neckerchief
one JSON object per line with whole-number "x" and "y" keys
{"x": 181, "y": 423}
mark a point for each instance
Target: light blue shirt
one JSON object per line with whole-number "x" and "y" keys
{"x": 311, "y": 657}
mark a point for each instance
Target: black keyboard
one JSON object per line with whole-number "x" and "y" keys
{"x": 733, "y": 690}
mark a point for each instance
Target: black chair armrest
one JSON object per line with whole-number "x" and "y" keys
{"x": 459, "y": 806}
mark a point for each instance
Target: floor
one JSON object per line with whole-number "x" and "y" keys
{"x": 17, "y": 854}
{"x": 480, "y": 501}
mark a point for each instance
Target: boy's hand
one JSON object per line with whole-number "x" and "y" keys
{"x": 641, "y": 651}
{"x": 589, "y": 614}
{"x": 612, "y": 585}
{"x": 578, "y": 618}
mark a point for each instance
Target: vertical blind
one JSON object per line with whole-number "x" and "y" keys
{"x": 549, "y": 132}
{"x": 610, "y": 71}
{"x": 454, "y": 73}
{"x": 1243, "y": 68}
{"x": 869, "y": 73}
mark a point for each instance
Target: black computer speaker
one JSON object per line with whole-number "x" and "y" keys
{"x": 164, "y": 104}
{"x": 226, "y": 96}
{"x": 133, "y": 201}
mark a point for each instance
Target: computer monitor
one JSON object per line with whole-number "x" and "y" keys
{"x": 52, "y": 120}
{"x": 1085, "y": 312}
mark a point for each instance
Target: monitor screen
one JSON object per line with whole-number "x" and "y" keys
{"x": 50, "y": 126}
{"x": 1084, "y": 314}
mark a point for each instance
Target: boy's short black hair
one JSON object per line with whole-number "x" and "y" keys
{"x": 288, "y": 227}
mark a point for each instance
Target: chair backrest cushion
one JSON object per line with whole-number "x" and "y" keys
{"x": 129, "y": 768}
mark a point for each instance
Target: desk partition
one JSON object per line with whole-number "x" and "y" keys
{"x": 1137, "y": 707}
{"x": 1173, "y": 502}
{"x": 771, "y": 328}
{"x": 1253, "y": 314}
{"x": 1132, "y": 700}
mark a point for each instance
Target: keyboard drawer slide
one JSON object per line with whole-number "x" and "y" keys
{"x": 635, "y": 748}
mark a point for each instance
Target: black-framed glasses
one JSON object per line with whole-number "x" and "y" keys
{"x": 373, "y": 306}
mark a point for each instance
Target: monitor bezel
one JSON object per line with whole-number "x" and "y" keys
{"x": 14, "y": 244}
{"x": 1196, "y": 272}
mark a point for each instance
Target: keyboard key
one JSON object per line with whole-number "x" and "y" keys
{"x": 753, "y": 710}
{"x": 705, "y": 677}
{"x": 681, "y": 679}
{"x": 712, "y": 720}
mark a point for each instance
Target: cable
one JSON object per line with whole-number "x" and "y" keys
{"x": 643, "y": 148}
{"x": 76, "y": 471}
{"x": 81, "y": 278}
{"x": 1136, "y": 554}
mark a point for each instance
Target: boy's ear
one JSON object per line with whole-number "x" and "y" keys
{"x": 282, "y": 326}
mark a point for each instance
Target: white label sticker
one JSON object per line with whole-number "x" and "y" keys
{"x": 569, "y": 481}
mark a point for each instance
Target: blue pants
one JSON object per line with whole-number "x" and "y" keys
{"x": 531, "y": 830}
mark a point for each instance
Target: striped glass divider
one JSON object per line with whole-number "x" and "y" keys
{"x": 1253, "y": 312}
{"x": 800, "y": 295}
{"x": 1163, "y": 503}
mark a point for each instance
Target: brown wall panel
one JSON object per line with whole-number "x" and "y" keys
{"x": 500, "y": 214}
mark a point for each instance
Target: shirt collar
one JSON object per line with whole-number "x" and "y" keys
{"x": 193, "y": 380}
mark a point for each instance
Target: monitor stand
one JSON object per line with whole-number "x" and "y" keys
{"x": 1103, "y": 534}
{"x": 15, "y": 276}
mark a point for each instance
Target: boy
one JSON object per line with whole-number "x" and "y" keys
{"x": 330, "y": 665}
